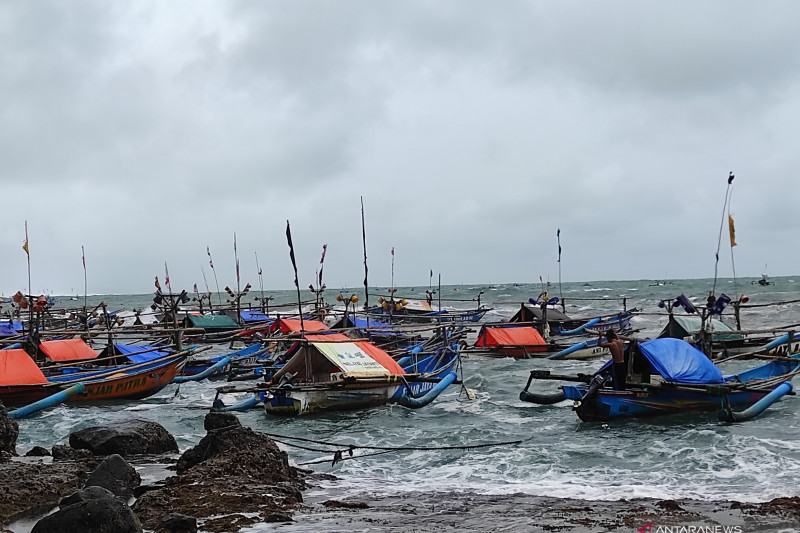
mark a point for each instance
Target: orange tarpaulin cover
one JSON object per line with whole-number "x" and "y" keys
{"x": 383, "y": 358}
{"x": 67, "y": 350}
{"x": 17, "y": 368}
{"x": 292, "y": 325}
{"x": 511, "y": 336}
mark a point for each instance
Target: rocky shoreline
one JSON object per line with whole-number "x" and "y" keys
{"x": 237, "y": 478}
{"x": 233, "y": 478}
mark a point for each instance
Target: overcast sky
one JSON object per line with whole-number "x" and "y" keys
{"x": 147, "y": 131}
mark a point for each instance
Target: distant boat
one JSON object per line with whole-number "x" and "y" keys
{"x": 763, "y": 281}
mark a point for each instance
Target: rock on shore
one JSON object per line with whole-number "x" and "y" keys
{"x": 233, "y": 478}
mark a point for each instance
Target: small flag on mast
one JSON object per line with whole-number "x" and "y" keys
{"x": 732, "y": 230}
{"x": 210, "y": 262}
{"x": 83, "y": 257}
{"x": 558, "y": 236}
{"x": 321, "y": 265}
{"x": 291, "y": 253}
{"x": 236, "y": 256}
{"x": 25, "y": 245}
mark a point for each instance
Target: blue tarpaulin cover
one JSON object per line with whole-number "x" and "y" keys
{"x": 679, "y": 361}
{"x": 254, "y": 316}
{"x": 385, "y": 329}
{"x": 7, "y": 330}
{"x": 126, "y": 349}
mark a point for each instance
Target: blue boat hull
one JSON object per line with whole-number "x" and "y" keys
{"x": 610, "y": 404}
{"x": 607, "y": 404}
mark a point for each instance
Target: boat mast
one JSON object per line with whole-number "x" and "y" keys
{"x": 560, "y": 293}
{"x": 366, "y": 270}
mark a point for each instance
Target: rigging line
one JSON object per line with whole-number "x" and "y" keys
{"x": 721, "y": 224}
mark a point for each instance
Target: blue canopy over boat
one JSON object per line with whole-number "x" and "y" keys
{"x": 383, "y": 329}
{"x": 679, "y": 361}
{"x": 126, "y": 349}
{"x": 254, "y": 316}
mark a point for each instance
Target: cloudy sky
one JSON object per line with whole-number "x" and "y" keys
{"x": 147, "y": 131}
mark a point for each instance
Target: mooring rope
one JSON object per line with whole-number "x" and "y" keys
{"x": 338, "y": 454}
{"x": 393, "y": 448}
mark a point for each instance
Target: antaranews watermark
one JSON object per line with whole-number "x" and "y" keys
{"x": 653, "y": 528}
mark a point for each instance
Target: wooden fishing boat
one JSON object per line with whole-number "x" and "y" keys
{"x": 670, "y": 376}
{"x": 334, "y": 373}
{"x": 523, "y": 341}
{"x": 246, "y": 356}
{"x": 561, "y": 324}
{"x": 22, "y": 382}
{"x": 407, "y": 310}
{"x": 379, "y": 333}
{"x": 511, "y": 340}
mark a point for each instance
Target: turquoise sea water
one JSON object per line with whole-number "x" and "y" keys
{"x": 682, "y": 456}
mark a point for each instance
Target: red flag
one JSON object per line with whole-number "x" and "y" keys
{"x": 158, "y": 285}
{"x": 392, "y": 250}
{"x": 83, "y": 257}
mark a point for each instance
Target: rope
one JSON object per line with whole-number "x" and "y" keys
{"x": 338, "y": 458}
{"x": 338, "y": 454}
{"x": 394, "y": 448}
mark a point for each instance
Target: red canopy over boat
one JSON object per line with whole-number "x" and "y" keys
{"x": 511, "y": 336}
{"x": 67, "y": 350}
{"x": 18, "y": 368}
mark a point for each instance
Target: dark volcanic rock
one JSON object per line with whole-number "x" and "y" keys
{"x": 38, "y": 451}
{"x": 31, "y": 488}
{"x": 278, "y": 517}
{"x": 177, "y": 523}
{"x": 125, "y": 438}
{"x": 233, "y": 474}
{"x": 89, "y": 493}
{"x": 216, "y": 420}
{"x": 9, "y": 431}
{"x": 116, "y": 475}
{"x": 61, "y": 453}
{"x": 110, "y": 515}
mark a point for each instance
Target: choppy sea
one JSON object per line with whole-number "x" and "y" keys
{"x": 676, "y": 457}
